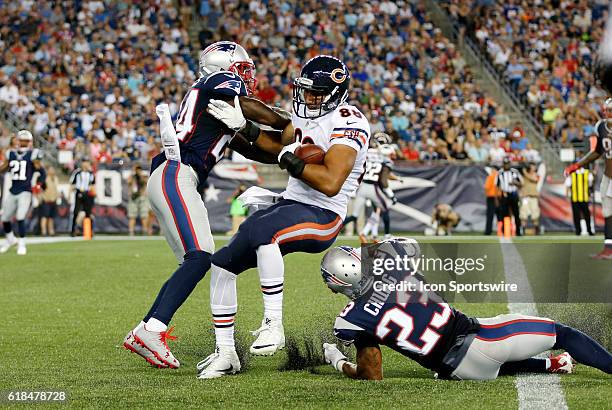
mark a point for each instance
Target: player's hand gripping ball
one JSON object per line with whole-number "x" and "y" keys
{"x": 310, "y": 154}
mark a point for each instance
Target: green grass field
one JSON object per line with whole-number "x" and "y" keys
{"x": 67, "y": 307}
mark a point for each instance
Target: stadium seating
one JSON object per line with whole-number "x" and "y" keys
{"x": 89, "y": 84}
{"x": 544, "y": 53}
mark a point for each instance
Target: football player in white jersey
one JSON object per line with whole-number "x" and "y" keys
{"x": 307, "y": 218}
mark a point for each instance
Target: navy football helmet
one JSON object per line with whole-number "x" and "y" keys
{"x": 321, "y": 87}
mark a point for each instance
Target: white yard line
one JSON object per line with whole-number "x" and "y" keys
{"x": 535, "y": 391}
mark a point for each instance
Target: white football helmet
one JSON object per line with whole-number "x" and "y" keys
{"x": 341, "y": 270}
{"x": 24, "y": 140}
{"x": 228, "y": 56}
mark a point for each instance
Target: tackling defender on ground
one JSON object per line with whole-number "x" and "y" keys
{"x": 423, "y": 327}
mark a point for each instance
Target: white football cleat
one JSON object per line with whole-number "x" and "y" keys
{"x": 130, "y": 344}
{"x": 221, "y": 363}
{"x": 21, "y": 248}
{"x": 155, "y": 342}
{"x": 9, "y": 242}
{"x": 270, "y": 338}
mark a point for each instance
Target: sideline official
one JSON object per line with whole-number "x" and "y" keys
{"x": 81, "y": 183}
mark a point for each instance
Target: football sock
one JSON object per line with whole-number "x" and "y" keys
{"x": 21, "y": 228}
{"x": 156, "y": 302}
{"x": 386, "y": 222}
{"x": 154, "y": 325}
{"x": 271, "y": 276}
{"x": 532, "y": 365}
{"x": 582, "y": 348}
{"x": 7, "y": 228}
{"x": 608, "y": 233}
{"x": 375, "y": 224}
{"x": 223, "y": 304}
{"x": 180, "y": 285}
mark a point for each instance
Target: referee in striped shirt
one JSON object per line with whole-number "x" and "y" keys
{"x": 578, "y": 185}
{"x": 509, "y": 180}
{"x": 82, "y": 181}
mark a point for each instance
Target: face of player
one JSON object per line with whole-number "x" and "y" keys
{"x": 313, "y": 99}
{"x": 246, "y": 71}
{"x": 23, "y": 145}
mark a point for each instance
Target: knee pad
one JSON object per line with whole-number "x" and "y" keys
{"x": 200, "y": 260}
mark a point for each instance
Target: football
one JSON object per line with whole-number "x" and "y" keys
{"x": 310, "y": 153}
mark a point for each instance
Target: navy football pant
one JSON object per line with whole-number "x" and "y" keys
{"x": 294, "y": 226}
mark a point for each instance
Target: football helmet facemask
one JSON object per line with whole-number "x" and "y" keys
{"x": 24, "y": 140}
{"x": 228, "y": 56}
{"x": 321, "y": 87}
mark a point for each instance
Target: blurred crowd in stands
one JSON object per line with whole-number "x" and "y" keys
{"x": 87, "y": 77}
{"x": 544, "y": 50}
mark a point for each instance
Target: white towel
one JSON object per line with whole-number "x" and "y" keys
{"x": 168, "y": 133}
{"x": 256, "y": 198}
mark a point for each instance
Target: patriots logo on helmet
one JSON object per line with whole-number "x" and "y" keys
{"x": 234, "y": 85}
{"x": 329, "y": 278}
{"x": 221, "y": 46}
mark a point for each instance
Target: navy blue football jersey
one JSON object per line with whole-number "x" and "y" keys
{"x": 604, "y": 139}
{"x": 203, "y": 138}
{"x": 419, "y": 325}
{"x": 21, "y": 170}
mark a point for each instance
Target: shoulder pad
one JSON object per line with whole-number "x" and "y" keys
{"x": 223, "y": 82}
{"x": 349, "y": 122}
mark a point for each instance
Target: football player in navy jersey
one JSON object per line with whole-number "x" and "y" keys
{"x": 423, "y": 327}
{"x": 198, "y": 142}
{"x": 603, "y": 148}
{"x": 22, "y": 164}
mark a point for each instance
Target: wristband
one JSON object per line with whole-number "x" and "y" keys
{"x": 250, "y": 131}
{"x": 293, "y": 164}
{"x": 339, "y": 364}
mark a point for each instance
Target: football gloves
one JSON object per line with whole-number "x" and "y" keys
{"x": 289, "y": 161}
{"x": 232, "y": 117}
{"x": 334, "y": 356}
{"x": 571, "y": 169}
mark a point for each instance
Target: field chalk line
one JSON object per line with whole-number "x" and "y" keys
{"x": 535, "y": 391}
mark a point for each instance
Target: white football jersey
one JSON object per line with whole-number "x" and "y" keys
{"x": 345, "y": 125}
{"x": 375, "y": 162}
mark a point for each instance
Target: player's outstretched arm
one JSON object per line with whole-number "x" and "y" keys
{"x": 582, "y": 162}
{"x": 278, "y": 119}
{"x": 266, "y": 154}
{"x": 329, "y": 177}
{"x": 4, "y": 166}
{"x": 369, "y": 361}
